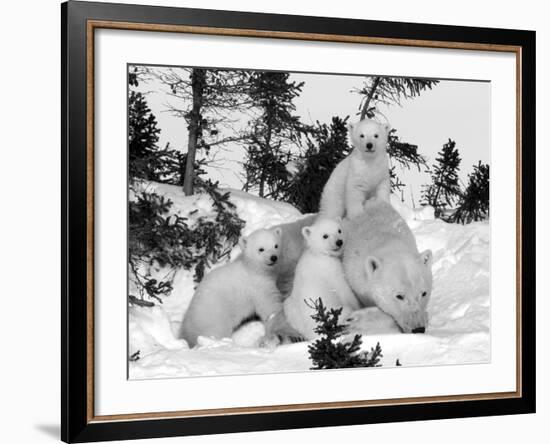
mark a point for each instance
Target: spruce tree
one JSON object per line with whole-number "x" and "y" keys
{"x": 146, "y": 160}
{"x": 444, "y": 189}
{"x": 474, "y": 202}
{"x": 143, "y": 137}
{"x": 156, "y": 235}
{"x": 330, "y": 350}
{"x": 143, "y": 134}
{"x": 273, "y": 134}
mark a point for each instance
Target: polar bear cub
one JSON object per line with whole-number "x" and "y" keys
{"x": 319, "y": 274}
{"x": 361, "y": 175}
{"x": 237, "y": 290}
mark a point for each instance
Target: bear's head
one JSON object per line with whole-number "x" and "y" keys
{"x": 325, "y": 236}
{"x": 401, "y": 285}
{"x": 262, "y": 247}
{"x": 369, "y": 138}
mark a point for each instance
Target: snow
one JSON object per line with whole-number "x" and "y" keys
{"x": 459, "y": 309}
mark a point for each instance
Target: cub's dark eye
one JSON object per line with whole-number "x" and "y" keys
{"x": 376, "y": 136}
{"x": 424, "y": 294}
{"x": 325, "y": 236}
{"x": 339, "y": 231}
{"x": 276, "y": 246}
{"x": 261, "y": 250}
{"x": 400, "y": 297}
{"x": 362, "y": 136}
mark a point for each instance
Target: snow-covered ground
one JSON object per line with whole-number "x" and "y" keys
{"x": 459, "y": 309}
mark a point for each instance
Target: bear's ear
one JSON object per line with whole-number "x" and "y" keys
{"x": 306, "y": 232}
{"x": 278, "y": 231}
{"x": 372, "y": 264}
{"x": 387, "y": 128}
{"x": 350, "y": 127}
{"x": 426, "y": 258}
{"x": 242, "y": 243}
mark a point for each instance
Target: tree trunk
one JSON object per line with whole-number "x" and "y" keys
{"x": 266, "y": 147}
{"x": 198, "y": 82}
{"x": 262, "y": 184}
{"x": 369, "y": 97}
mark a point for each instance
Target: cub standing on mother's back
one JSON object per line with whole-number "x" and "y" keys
{"x": 360, "y": 176}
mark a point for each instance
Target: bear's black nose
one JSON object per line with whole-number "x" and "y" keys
{"x": 369, "y": 146}
{"x": 339, "y": 242}
{"x": 419, "y": 330}
{"x": 273, "y": 258}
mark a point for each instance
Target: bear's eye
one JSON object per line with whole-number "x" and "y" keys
{"x": 376, "y": 136}
{"x": 261, "y": 250}
{"x": 339, "y": 231}
{"x": 400, "y": 297}
{"x": 276, "y": 246}
{"x": 362, "y": 136}
{"x": 325, "y": 236}
{"x": 424, "y": 294}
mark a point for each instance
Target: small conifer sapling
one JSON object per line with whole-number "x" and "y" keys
{"x": 331, "y": 350}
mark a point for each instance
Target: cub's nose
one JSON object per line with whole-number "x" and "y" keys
{"x": 273, "y": 258}
{"x": 369, "y": 146}
{"x": 339, "y": 242}
{"x": 419, "y": 330}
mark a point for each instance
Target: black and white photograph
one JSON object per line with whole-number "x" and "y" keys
{"x": 300, "y": 221}
{"x": 268, "y": 222}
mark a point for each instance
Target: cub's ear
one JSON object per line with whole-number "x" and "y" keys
{"x": 242, "y": 243}
{"x": 372, "y": 264}
{"x": 426, "y": 257}
{"x": 278, "y": 231}
{"x": 387, "y": 128}
{"x": 350, "y": 127}
{"x": 306, "y": 232}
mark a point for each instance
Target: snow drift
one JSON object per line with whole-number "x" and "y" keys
{"x": 459, "y": 309}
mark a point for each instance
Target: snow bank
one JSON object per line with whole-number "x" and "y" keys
{"x": 255, "y": 211}
{"x": 458, "y": 332}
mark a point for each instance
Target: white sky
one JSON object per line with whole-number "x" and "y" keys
{"x": 459, "y": 110}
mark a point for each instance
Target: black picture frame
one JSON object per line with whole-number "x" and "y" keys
{"x": 77, "y": 425}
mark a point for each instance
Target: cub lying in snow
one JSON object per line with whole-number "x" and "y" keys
{"x": 360, "y": 176}
{"x": 384, "y": 267}
{"x": 319, "y": 274}
{"x": 237, "y": 291}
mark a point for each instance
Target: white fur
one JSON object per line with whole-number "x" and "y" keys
{"x": 371, "y": 321}
{"x": 231, "y": 293}
{"x": 319, "y": 274}
{"x": 292, "y": 247}
{"x": 362, "y": 175}
{"x": 381, "y": 261}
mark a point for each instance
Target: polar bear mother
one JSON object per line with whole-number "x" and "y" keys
{"x": 384, "y": 268}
